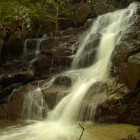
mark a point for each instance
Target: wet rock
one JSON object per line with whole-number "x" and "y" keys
{"x": 47, "y": 26}
{"x": 1, "y": 45}
{"x": 12, "y": 110}
{"x": 122, "y": 106}
{"x": 81, "y": 14}
{"x": 126, "y": 61}
{"x": 101, "y": 7}
{"x": 41, "y": 63}
{"x": 6, "y": 92}
{"x": 19, "y": 77}
{"x": 95, "y": 96}
{"x": 88, "y": 23}
{"x": 125, "y": 56}
{"x": 15, "y": 45}
{"x": 66, "y": 21}
{"x": 63, "y": 80}
{"x": 53, "y": 95}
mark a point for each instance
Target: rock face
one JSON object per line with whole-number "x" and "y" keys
{"x": 102, "y": 7}
{"x": 63, "y": 80}
{"x": 1, "y": 46}
{"x": 55, "y": 53}
{"x": 13, "y": 81}
{"x": 15, "y": 106}
{"x": 12, "y": 110}
{"x": 15, "y": 45}
{"x": 53, "y": 95}
{"x": 126, "y": 57}
{"x": 81, "y": 14}
{"x": 125, "y": 108}
{"x": 123, "y": 105}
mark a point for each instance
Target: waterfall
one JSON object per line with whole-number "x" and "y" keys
{"x": 34, "y": 49}
{"x": 111, "y": 26}
{"x": 34, "y": 106}
{"x": 59, "y": 125}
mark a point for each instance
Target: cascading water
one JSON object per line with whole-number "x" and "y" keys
{"x": 36, "y": 50}
{"x": 59, "y": 124}
{"x": 34, "y": 106}
{"x": 32, "y": 47}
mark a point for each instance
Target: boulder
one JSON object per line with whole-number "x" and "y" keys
{"x": 54, "y": 94}
{"x": 15, "y": 45}
{"x": 12, "y": 110}
{"x": 81, "y": 14}
{"x": 19, "y": 77}
{"x": 41, "y": 63}
{"x": 130, "y": 72}
{"x": 126, "y": 109}
{"x": 95, "y": 96}
{"x": 6, "y": 92}
{"x": 66, "y": 21}
{"x": 63, "y": 80}
{"x": 101, "y": 7}
{"x": 125, "y": 57}
{"x": 48, "y": 26}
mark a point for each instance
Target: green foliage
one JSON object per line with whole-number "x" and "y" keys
{"x": 21, "y": 13}
{"x": 12, "y": 12}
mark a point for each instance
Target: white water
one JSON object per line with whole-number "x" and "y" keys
{"x": 34, "y": 106}
{"x": 61, "y": 122}
{"x": 39, "y": 43}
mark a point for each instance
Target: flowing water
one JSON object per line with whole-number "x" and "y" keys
{"x": 33, "y": 46}
{"x": 62, "y": 121}
{"x": 34, "y": 106}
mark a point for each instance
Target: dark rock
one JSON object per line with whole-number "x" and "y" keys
{"x": 88, "y": 23}
{"x": 19, "y": 77}
{"x": 125, "y": 56}
{"x": 15, "y": 44}
{"x": 1, "y": 45}
{"x": 125, "y": 109}
{"x": 5, "y": 93}
{"x": 53, "y": 95}
{"x": 81, "y": 14}
{"x": 66, "y": 21}
{"x": 48, "y": 26}
{"x": 12, "y": 110}
{"x": 41, "y": 63}
{"x": 95, "y": 96}
{"x": 101, "y": 7}
{"x": 63, "y": 80}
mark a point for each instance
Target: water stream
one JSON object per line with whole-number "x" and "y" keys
{"x": 62, "y": 121}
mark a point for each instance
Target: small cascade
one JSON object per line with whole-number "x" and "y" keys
{"x": 88, "y": 89}
{"x": 33, "y": 46}
{"x": 34, "y": 106}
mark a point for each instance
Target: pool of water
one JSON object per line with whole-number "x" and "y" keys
{"x": 37, "y": 131}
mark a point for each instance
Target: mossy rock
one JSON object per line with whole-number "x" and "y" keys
{"x": 81, "y": 13}
{"x": 101, "y": 7}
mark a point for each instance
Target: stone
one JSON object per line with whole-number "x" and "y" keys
{"x": 101, "y": 7}
{"x": 81, "y": 14}
{"x": 12, "y": 110}
{"x": 6, "y": 92}
{"x": 15, "y": 45}
{"x": 1, "y": 46}
{"x": 63, "y": 80}
{"x": 125, "y": 109}
{"x": 19, "y": 77}
{"x": 41, "y": 63}
{"x": 54, "y": 94}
